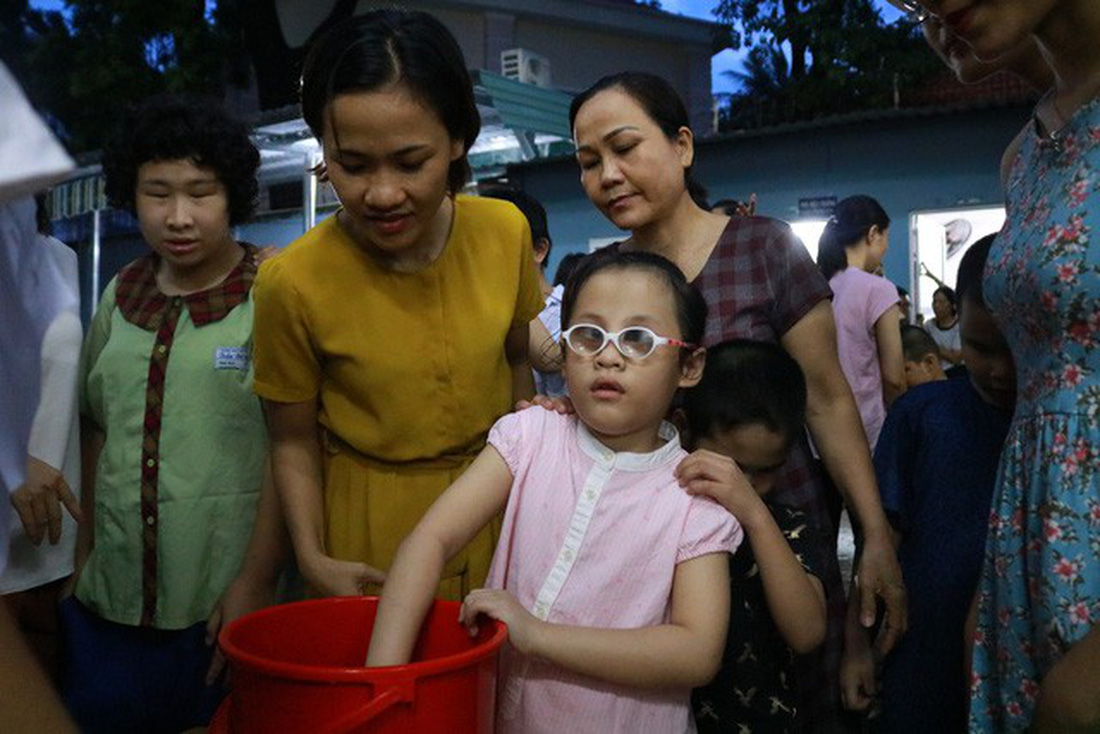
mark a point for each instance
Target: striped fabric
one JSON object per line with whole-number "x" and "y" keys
{"x": 592, "y": 538}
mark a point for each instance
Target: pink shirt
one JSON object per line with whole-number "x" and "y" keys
{"x": 859, "y": 299}
{"x": 592, "y": 538}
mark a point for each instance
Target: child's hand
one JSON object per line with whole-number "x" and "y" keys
{"x": 717, "y": 476}
{"x": 858, "y": 684}
{"x": 503, "y": 607}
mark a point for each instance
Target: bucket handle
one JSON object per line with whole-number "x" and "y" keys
{"x": 392, "y": 695}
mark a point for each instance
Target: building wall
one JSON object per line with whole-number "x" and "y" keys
{"x": 909, "y": 165}
{"x": 579, "y": 53}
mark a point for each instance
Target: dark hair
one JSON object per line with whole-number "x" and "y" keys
{"x": 916, "y": 343}
{"x": 366, "y": 52}
{"x": 902, "y": 292}
{"x": 746, "y": 382}
{"x": 531, "y": 208}
{"x": 948, "y": 293}
{"x": 851, "y": 221}
{"x": 691, "y": 309}
{"x": 968, "y": 282}
{"x": 659, "y": 100}
{"x": 566, "y": 266}
{"x": 172, "y": 127}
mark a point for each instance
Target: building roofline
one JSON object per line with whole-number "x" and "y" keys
{"x": 604, "y": 14}
{"x": 853, "y": 118}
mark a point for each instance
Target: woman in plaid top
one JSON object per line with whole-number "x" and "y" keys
{"x": 635, "y": 150}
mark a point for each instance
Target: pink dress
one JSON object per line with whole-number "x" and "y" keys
{"x": 591, "y": 538}
{"x": 859, "y": 300}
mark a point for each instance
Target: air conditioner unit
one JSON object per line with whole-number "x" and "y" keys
{"x": 525, "y": 66}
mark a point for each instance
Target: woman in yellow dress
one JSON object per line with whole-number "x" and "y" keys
{"x": 391, "y": 336}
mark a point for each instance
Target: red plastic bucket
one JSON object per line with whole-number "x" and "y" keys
{"x": 299, "y": 668}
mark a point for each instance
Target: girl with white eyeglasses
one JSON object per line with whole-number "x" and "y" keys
{"x": 612, "y": 579}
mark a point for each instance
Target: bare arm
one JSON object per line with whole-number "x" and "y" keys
{"x": 516, "y": 345}
{"x": 296, "y": 470}
{"x": 1069, "y": 695}
{"x": 795, "y": 598}
{"x": 835, "y": 424}
{"x": 546, "y": 354}
{"x": 455, "y": 518}
{"x": 27, "y": 699}
{"x": 891, "y": 359}
{"x": 684, "y": 653}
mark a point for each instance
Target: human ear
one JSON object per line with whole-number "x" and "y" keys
{"x": 685, "y": 144}
{"x": 691, "y": 367}
{"x": 458, "y": 149}
{"x": 542, "y": 249}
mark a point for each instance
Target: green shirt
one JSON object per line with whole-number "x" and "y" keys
{"x": 169, "y": 382}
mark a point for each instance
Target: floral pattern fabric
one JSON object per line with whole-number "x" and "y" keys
{"x": 1040, "y": 588}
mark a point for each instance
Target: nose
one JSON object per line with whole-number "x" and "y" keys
{"x": 179, "y": 213}
{"x": 609, "y": 356}
{"x": 610, "y": 173}
{"x": 383, "y": 193}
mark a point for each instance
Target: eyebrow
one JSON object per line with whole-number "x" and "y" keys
{"x": 204, "y": 181}
{"x": 613, "y": 133}
{"x": 414, "y": 148}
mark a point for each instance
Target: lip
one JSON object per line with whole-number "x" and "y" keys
{"x": 181, "y": 247}
{"x": 621, "y": 201}
{"x": 604, "y": 389}
{"x": 391, "y": 223}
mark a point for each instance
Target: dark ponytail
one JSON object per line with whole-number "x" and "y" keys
{"x": 851, "y": 221}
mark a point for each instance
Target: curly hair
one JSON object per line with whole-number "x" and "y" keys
{"x": 175, "y": 127}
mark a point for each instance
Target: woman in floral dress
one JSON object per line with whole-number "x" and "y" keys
{"x": 1037, "y": 646}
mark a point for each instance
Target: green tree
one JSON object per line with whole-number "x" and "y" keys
{"x": 81, "y": 66}
{"x": 809, "y": 58}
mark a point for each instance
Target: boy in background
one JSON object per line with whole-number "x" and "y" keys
{"x": 936, "y": 463}
{"x": 742, "y": 418}
{"x": 922, "y": 356}
{"x": 544, "y": 347}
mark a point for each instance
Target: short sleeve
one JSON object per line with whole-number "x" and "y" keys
{"x": 882, "y": 294}
{"x": 506, "y": 436}
{"x": 50, "y": 431}
{"x": 708, "y": 528}
{"x": 287, "y": 367}
{"x": 99, "y": 331}
{"x": 795, "y": 281}
{"x": 897, "y": 446}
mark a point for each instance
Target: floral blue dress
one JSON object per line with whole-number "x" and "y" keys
{"x": 1040, "y": 587}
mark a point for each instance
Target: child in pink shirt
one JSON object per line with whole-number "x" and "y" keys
{"x": 613, "y": 581}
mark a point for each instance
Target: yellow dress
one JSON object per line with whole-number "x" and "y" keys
{"x": 408, "y": 368}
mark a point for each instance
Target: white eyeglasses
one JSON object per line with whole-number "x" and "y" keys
{"x": 633, "y": 342}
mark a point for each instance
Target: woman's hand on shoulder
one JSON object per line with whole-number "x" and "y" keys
{"x": 561, "y": 404}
